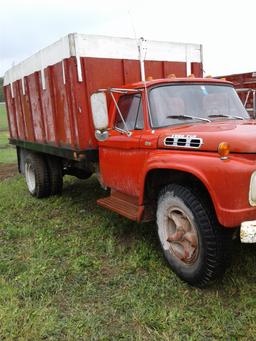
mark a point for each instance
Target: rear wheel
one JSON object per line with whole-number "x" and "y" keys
{"x": 195, "y": 248}
{"x": 55, "y": 175}
{"x": 37, "y": 176}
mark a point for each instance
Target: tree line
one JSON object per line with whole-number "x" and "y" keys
{"x": 1, "y": 89}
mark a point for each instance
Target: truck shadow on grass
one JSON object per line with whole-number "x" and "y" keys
{"x": 84, "y": 194}
{"x": 129, "y": 236}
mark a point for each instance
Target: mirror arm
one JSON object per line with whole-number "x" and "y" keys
{"x": 128, "y": 133}
{"x": 126, "y": 130}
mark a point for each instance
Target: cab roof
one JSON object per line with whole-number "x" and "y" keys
{"x": 174, "y": 80}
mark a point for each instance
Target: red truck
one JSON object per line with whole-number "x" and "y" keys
{"x": 169, "y": 144}
{"x": 245, "y": 84}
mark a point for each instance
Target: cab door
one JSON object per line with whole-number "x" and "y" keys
{"x": 121, "y": 158}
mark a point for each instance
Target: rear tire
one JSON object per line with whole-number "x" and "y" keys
{"x": 55, "y": 175}
{"x": 194, "y": 246}
{"x": 37, "y": 176}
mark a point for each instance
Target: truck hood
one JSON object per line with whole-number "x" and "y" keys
{"x": 240, "y": 135}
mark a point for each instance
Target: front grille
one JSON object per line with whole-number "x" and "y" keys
{"x": 187, "y": 142}
{"x": 195, "y": 143}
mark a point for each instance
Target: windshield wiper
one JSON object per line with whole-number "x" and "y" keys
{"x": 228, "y": 116}
{"x": 180, "y": 117}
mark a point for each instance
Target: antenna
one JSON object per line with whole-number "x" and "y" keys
{"x": 141, "y": 45}
{"x": 142, "y": 49}
{"x": 142, "y": 54}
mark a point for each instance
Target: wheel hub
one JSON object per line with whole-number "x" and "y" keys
{"x": 30, "y": 177}
{"x": 182, "y": 236}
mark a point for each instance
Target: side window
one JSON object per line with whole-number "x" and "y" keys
{"x": 131, "y": 109}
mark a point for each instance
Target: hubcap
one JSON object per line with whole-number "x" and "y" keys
{"x": 30, "y": 177}
{"x": 181, "y": 235}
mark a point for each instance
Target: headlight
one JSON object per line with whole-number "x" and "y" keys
{"x": 252, "y": 191}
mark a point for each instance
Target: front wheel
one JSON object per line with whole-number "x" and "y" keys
{"x": 195, "y": 247}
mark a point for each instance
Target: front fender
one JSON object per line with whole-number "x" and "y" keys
{"x": 227, "y": 181}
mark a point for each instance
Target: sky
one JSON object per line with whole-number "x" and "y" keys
{"x": 226, "y": 28}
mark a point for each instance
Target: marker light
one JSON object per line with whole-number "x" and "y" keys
{"x": 171, "y": 75}
{"x": 149, "y": 78}
{"x": 191, "y": 76}
{"x": 223, "y": 150}
{"x": 252, "y": 190}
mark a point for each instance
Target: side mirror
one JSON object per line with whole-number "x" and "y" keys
{"x": 99, "y": 110}
{"x": 100, "y": 115}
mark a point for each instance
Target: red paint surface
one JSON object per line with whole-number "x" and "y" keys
{"x": 243, "y": 81}
{"x": 230, "y": 202}
{"x": 126, "y": 161}
{"x": 60, "y": 114}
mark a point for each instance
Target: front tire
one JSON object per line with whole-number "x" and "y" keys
{"x": 194, "y": 246}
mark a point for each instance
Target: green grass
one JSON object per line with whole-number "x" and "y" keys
{"x": 7, "y": 152}
{"x": 70, "y": 270}
{"x": 8, "y": 155}
{"x": 4, "y": 135}
{"x": 3, "y": 117}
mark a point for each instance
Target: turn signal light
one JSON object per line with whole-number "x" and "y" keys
{"x": 223, "y": 150}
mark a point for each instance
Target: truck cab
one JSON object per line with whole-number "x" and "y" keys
{"x": 182, "y": 150}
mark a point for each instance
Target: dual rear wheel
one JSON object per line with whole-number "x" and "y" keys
{"x": 43, "y": 176}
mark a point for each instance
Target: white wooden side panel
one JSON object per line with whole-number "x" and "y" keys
{"x": 40, "y": 60}
{"x": 127, "y": 48}
{"x": 81, "y": 45}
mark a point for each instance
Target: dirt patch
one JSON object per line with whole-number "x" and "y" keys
{"x": 7, "y": 170}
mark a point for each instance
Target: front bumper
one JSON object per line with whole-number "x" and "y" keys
{"x": 248, "y": 232}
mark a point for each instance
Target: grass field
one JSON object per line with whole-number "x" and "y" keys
{"x": 7, "y": 152}
{"x": 70, "y": 270}
{"x": 3, "y": 117}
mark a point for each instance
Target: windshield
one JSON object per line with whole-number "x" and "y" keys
{"x": 177, "y": 104}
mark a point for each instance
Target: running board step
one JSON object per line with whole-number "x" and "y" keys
{"x": 123, "y": 204}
